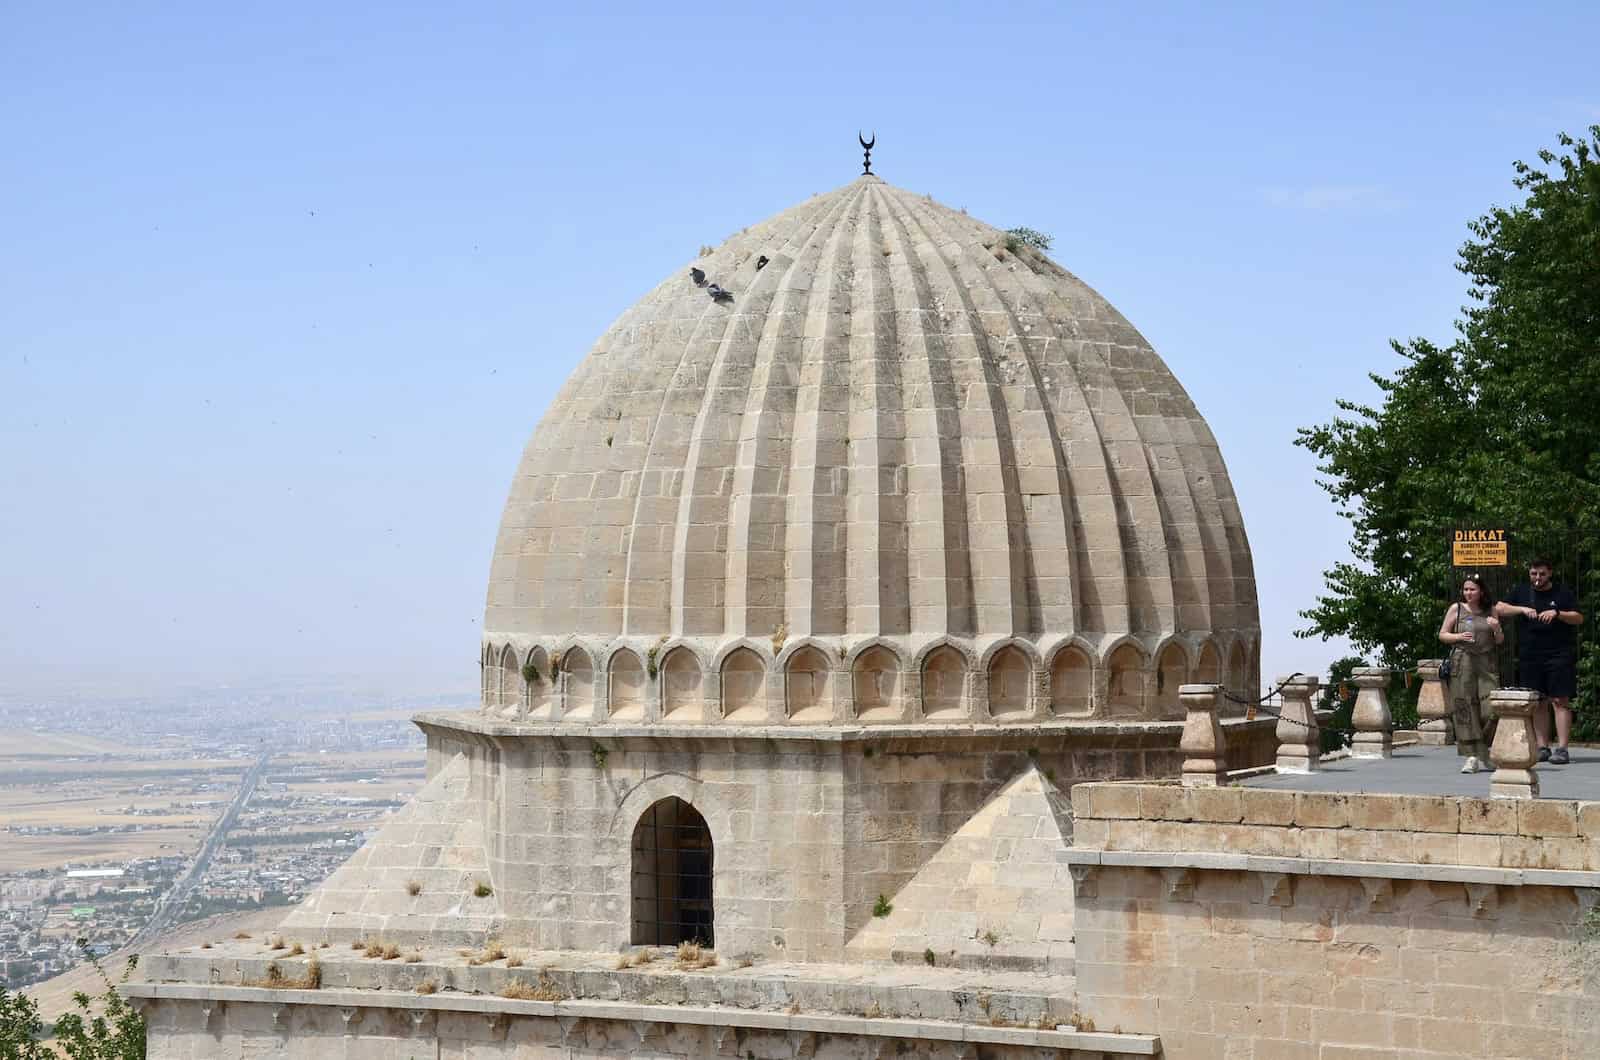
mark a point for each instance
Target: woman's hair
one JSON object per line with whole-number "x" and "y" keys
{"x": 1485, "y": 598}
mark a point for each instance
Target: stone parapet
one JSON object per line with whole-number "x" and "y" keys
{"x": 1550, "y": 834}
{"x": 653, "y": 1011}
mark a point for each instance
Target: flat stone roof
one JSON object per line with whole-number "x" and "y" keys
{"x": 1420, "y": 770}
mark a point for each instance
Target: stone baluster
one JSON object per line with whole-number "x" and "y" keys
{"x": 1433, "y": 706}
{"x": 1373, "y": 723}
{"x": 1205, "y": 748}
{"x": 1299, "y": 737}
{"x": 1514, "y": 751}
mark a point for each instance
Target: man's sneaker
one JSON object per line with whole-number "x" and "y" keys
{"x": 1559, "y": 757}
{"x": 1544, "y": 754}
{"x": 1470, "y": 765}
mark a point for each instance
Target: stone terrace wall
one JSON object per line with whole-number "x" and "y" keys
{"x": 808, "y": 828}
{"x": 221, "y": 1023}
{"x": 1251, "y": 923}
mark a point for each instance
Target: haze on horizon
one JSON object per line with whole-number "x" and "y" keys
{"x": 287, "y": 290}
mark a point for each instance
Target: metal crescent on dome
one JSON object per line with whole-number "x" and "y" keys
{"x": 866, "y": 158}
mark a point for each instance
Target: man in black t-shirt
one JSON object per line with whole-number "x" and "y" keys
{"x": 1547, "y": 652}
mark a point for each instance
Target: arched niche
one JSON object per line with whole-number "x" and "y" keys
{"x": 510, "y": 678}
{"x": 672, "y": 869}
{"x": 944, "y": 684}
{"x": 808, "y": 687}
{"x": 1209, "y": 670}
{"x": 1010, "y": 683}
{"x": 1239, "y": 682}
{"x": 1172, "y": 668}
{"x": 1071, "y": 683}
{"x": 682, "y": 694}
{"x": 579, "y": 671}
{"x": 875, "y": 682}
{"x": 744, "y": 680}
{"x": 1127, "y": 694}
{"x": 626, "y": 687}
{"x": 1238, "y": 670}
{"x": 539, "y": 683}
{"x": 488, "y": 674}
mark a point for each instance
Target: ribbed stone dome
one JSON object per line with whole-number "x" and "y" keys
{"x": 896, "y": 430}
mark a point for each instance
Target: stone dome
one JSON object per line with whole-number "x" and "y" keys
{"x": 897, "y": 433}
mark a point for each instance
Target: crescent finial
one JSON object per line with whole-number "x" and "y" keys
{"x": 867, "y": 145}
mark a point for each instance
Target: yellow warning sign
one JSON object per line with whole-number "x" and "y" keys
{"x": 1479, "y": 548}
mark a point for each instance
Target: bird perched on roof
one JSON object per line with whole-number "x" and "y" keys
{"x": 718, "y": 294}
{"x": 761, "y": 263}
{"x": 698, "y": 277}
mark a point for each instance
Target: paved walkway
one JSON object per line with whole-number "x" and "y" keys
{"x": 1418, "y": 770}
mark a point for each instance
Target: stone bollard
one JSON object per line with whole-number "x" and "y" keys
{"x": 1299, "y": 737}
{"x": 1515, "y": 750}
{"x": 1433, "y": 706}
{"x": 1205, "y": 748}
{"x": 1373, "y": 723}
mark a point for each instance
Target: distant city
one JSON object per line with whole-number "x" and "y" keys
{"x": 121, "y": 819}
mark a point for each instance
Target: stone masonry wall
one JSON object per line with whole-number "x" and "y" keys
{"x": 1238, "y": 922}
{"x": 1237, "y": 964}
{"x": 353, "y": 1028}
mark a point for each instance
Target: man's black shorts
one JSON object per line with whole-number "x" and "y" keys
{"x": 1555, "y": 676}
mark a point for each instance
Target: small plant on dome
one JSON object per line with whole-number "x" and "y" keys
{"x": 1027, "y": 237}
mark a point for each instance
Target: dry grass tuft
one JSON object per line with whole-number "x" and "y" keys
{"x": 514, "y": 960}
{"x": 205, "y": 945}
{"x": 276, "y": 943}
{"x": 296, "y": 950}
{"x": 413, "y": 887}
{"x": 358, "y": 944}
{"x": 692, "y": 957}
{"x": 241, "y": 934}
{"x": 428, "y": 986}
{"x": 414, "y": 957}
{"x": 276, "y": 980}
{"x": 543, "y": 990}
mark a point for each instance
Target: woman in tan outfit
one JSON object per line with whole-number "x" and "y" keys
{"x": 1473, "y": 633}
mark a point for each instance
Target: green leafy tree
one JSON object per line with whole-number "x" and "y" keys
{"x": 1494, "y": 429}
{"x": 114, "y": 1032}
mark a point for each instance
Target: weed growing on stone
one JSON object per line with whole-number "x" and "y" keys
{"x": 413, "y": 887}
{"x": 990, "y": 939}
{"x": 428, "y": 986}
{"x": 296, "y": 950}
{"x": 276, "y": 980}
{"x": 882, "y": 907}
{"x": 482, "y": 890}
{"x": 276, "y": 943}
{"x": 692, "y": 957}
{"x": 544, "y": 990}
{"x": 491, "y": 952}
{"x": 241, "y": 934}
{"x": 414, "y": 957}
{"x": 514, "y": 961}
{"x": 599, "y": 754}
{"x": 928, "y": 957}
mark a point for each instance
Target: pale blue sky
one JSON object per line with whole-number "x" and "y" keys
{"x": 283, "y": 291}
